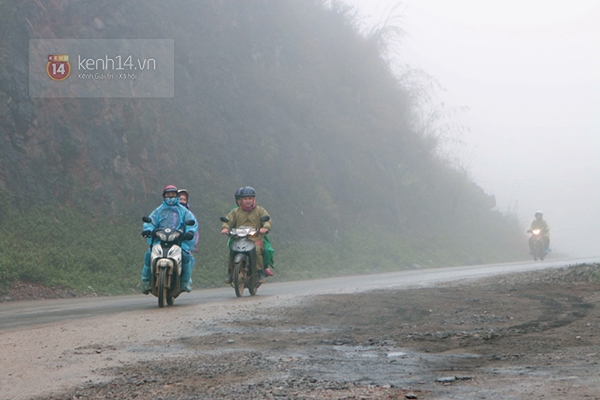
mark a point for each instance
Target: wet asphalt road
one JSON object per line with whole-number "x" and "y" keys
{"x": 19, "y": 315}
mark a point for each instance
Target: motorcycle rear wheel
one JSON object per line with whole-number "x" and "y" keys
{"x": 239, "y": 278}
{"x": 162, "y": 289}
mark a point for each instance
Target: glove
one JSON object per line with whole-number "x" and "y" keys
{"x": 188, "y": 236}
{"x": 147, "y": 233}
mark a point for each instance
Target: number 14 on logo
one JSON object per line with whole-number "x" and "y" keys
{"x": 58, "y": 67}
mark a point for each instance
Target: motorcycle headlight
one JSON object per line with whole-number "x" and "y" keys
{"x": 536, "y": 231}
{"x": 161, "y": 236}
{"x": 242, "y": 232}
{"x": 173, "y": 236}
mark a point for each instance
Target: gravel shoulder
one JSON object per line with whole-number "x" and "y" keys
{"x": 531, "y": 335}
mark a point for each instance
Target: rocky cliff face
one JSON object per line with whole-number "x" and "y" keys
{"x": 104, "y": 153}
{"x": 86, "y": 152}
{"x": 237, "y": 63}
{"x": 285, "y": 95}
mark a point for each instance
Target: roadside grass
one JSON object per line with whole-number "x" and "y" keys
{"x": 64, "y": 248}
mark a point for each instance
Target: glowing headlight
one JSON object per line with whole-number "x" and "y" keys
{"x": 536, "y": 231}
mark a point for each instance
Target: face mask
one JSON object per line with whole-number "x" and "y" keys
{"x": 171, "y": 201}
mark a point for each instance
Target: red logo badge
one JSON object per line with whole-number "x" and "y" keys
{"x": 58, "y": 67}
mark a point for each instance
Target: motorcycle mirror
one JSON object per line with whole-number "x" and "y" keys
{"x": 265, "y": 218}
{"x": 223, "y": 219}
{"x": 190, "y": 222}
{"x": 146, "y": 219}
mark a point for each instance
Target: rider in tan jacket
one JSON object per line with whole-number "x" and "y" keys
{"x": 249, "y": 214}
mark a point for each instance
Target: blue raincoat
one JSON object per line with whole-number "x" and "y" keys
{"x": 166, "y": 216}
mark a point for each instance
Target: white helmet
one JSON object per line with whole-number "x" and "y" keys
{"x": 539, "y": 212}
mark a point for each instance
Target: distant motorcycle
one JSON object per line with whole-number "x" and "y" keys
{"x": 537, "y": 243}
{"x": 165, "y": 261}
{"x": 242, "y": 258}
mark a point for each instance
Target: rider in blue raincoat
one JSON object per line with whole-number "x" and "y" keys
{"x": 173, "y": 215}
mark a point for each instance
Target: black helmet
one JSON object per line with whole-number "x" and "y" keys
{"x": 247, "y": 191}
{"x": 237, "y": 194}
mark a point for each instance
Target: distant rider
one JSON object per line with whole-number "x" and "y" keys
{"x": 170, "y": 214}
{"x": 249, "y": 214}
{"x": 540, "y": 223}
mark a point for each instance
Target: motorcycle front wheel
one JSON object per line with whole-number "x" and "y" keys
{"x": 537, "y": 251}
{"x": 253, "y": 284}
{"x": 162, "y": 289}
{"x": 239, "y": 278}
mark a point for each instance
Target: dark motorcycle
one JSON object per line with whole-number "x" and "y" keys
{"x": 537, "y": 244}
{"x": 242, "y": 258}
{"x": 165, "y": 261}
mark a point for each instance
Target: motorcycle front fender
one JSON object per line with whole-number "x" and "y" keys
{"x": 167, "y": 263}
{"x": 239, "y": 257}
{"x": 537, "y": 239}
{"x": 248, "y": 257}
{"x": 173, "y": 268}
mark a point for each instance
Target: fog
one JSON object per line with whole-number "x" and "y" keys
{"x": 529, "y": 73}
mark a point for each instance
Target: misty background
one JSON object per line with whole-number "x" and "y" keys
{"x": 521, "y": 79}
{"x": 368, "y": 156}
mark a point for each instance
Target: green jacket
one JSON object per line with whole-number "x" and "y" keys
{"x": 240, "y": 217}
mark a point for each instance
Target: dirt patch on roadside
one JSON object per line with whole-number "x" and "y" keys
{"x": 532, "y": 335}
{"x": 24, "y": 291}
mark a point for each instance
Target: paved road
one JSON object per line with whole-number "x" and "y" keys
{"x": 19, "y": 315}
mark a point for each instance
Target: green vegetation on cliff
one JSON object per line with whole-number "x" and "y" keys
{"x": 285, "y": 96}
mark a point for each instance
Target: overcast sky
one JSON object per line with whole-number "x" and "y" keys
{"x": 529, "y": 72}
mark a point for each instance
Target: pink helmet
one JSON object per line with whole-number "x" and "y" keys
{"x": 168, "y": 189}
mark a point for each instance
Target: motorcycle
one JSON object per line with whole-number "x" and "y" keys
{"x": 537, "y": 243}
{"x": 242, "y": 258}
{"x": 165, "y": 261}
